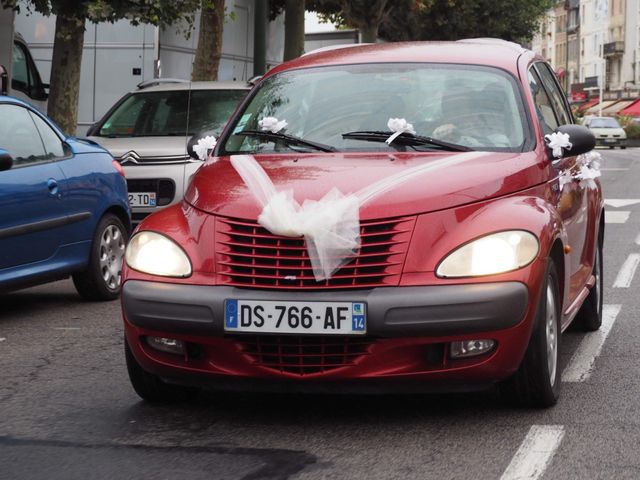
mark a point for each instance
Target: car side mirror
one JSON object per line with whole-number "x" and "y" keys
{"x": 6, "y": 161}
{"x": 581, "y": 138}
{"x": 201, "y": 145}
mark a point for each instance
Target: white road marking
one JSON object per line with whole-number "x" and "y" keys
{"x": 535, "y": 453}
{"x": 2, "y": 339}
{"x": 620, "y": 216}
{"x": 582, "y": 362}
{"x": 621, "y": 202}
{"x": 638, "y": 239}
{"x": 627, "y": 271}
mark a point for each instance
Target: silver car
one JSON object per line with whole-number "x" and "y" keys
{"x": 148, "y": 129}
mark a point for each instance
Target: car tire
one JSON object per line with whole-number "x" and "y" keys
{"x": 589, "y": 317}
{"x": 150, "y": 387}
{"x": 103, "y": 277}
{"x": 623, "y": 147}
{"x": 537, "y": 381}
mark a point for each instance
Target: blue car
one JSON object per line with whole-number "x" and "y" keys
{"x": 64, "y": 207}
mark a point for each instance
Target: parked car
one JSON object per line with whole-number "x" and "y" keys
{"x": 25, "y": 79}
{"x": 607, "y": 131}
{"x": 336, "y": 242}
{"x": 147, "y": 131}
{"x": 64, "y": 207}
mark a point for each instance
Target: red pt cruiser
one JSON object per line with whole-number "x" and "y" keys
{"x": 398, "y": 217}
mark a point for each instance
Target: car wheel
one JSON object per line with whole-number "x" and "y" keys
{"x": 589, "y": 317}
{"x": 150, "y": 387}
{"x": 537, "y": 382}
{"x": 103, "y": 277}
{"x": 623, "y": 147}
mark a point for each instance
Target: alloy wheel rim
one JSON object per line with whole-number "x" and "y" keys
{"x": 111, "y": 256}
{"x": 551, "y": 325}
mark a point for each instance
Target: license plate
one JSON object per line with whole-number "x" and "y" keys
{"x": 142, "y": 199}
{"x": 609, "y": 140}
{"x": 260, "y": 316}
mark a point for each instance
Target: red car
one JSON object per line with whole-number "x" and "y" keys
{"x": 397, "y": 217}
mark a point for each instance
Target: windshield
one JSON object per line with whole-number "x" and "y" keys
{"x": 164, "y": 113}
{"x": 604, "y": 123}
{"x": 475, "y": 107}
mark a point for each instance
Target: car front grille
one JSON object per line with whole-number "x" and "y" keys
{"x": 250, "y": 256}
{"x": 303, "y": 355}
{"x": 130, "y": 160}
{"x": 165, "y": 189}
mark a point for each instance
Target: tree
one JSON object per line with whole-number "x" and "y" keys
{"x": 71, "y": 16}
{"x": 209, "y": 51}
{"x": 456, "y": 19}
{"x": 294, "y": 29}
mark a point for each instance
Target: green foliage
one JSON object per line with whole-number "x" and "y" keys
{"x": 626, "y": 120}
{"x": 633, "y": 131}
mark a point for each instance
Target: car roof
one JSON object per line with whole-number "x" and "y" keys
{"x": 473, "y": 51}
{"x": 164, "y": 87}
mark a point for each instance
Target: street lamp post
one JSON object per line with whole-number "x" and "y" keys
{"x": 602, "y": 80}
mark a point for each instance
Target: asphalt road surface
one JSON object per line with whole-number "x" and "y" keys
{"x": 67, "y": 410}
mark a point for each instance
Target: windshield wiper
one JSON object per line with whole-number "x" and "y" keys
{"x": 290, "y": 139}
{"x": 405, "y": 139}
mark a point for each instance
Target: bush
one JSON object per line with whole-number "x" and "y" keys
{"x": 633, "y": 131}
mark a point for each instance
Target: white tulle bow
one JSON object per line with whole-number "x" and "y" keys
{"x": 272, "y": 124}
{"x": 204, "y": 145}
{"x": 331, "y": 225}
{"x": 399, "y": 126}
{"x": 557, "y": 141}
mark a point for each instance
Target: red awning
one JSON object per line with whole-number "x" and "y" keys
{"x": 560, "y": 72}
{"x": 632, "y": 110}
{"x": 587, "y": 105}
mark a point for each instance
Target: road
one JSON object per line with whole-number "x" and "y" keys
{"x": 67, "y": 410}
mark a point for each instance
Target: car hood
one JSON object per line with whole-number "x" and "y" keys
{"x": 432, "y": 181}
{"x": 608, "y": 132}
{"x": 145, "y": 147}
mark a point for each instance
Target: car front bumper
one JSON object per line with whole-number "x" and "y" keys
{"x": 409, "y": 330}
{"x": 611, "y": 142}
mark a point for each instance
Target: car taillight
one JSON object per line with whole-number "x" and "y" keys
{"x": 118, "y": 167}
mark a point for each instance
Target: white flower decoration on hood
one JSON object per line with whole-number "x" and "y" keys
{"x": 272, "y": 124}
{"x": 557, "y": 141}
{"x": 204, "y": 145}
{"x": 399, "y": 126}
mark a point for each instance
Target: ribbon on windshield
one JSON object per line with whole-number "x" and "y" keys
{"x": 399, "y": 126}
{"x": 272, "y": 124}
{"x": 331, "y": 225}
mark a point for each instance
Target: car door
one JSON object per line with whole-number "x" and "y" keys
{"x": 573, "y": 201}
{"x": 31, "y": 192}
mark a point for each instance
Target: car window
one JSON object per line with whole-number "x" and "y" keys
{"x": 20, "y": 69}
{"x": 167, "y": 113}
{"x": 19, "y": 135}
{"x": 52, "y": 144}
{"x": 544, "y": 110}
{"x": 477, "y": 107}
{"x": 604, "y": 123}
{"x": 555, "y": 93}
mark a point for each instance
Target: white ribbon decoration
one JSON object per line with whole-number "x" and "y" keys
{"x": 557, "y": 141}
{"x": 331, "y": 225}
{"x": 399, "y": 126}
{"x": 204, "y": 145}
{"x": 272, "y": 124}
{"x": 587, "y": 177}
{"x": 589, "y": 170}
{"x": 565, "y": 178}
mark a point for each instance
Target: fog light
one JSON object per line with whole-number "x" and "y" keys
{"x": 470, "y": 348}
{"x": 169, "y": 345}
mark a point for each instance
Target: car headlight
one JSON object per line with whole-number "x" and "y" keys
{"x": 496, "y": 253}
{"x": 153, "y": 253}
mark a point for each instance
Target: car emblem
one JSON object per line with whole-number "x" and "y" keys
{"x": 130, "y": 157}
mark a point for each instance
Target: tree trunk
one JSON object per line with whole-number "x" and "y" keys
{"x": 65, "y": 73}
{"x": 294, "y": 29}
{"x": 207, "y": 60}
{"x": 369, "y": 33}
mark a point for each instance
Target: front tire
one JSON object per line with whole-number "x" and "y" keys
{"x": 537, "y": 382}
{"x": 151, "y": 387}
{"x": 103, "y": 277}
